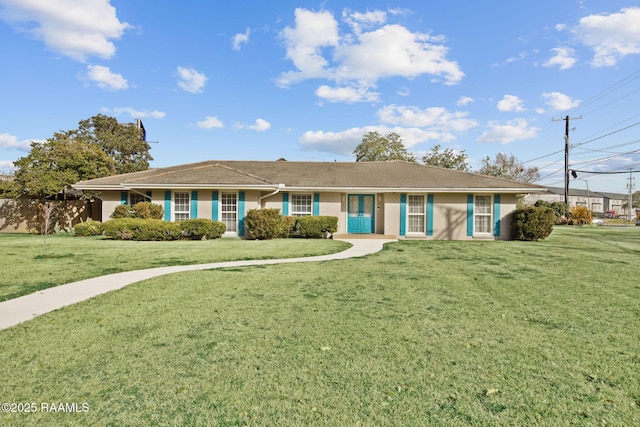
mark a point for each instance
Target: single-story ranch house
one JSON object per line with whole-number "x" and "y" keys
{"x": 395, "y": 198}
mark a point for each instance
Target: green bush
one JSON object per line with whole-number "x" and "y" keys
{"x": 263, "y": 224}
{"x": 202, "y": 228}
{"x": 148, "y": 210}
{"x": 142, "y": 229}
{"x": 559, "y": 208}
{"x": 143, "y": 210}
{"x": 89, "y": 228}
{"x": 533, "y": 223}
{"x": 316, "y": 226}
{"x": 123, "y": 211}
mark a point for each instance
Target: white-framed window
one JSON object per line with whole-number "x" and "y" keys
{"x": 301, "y": 204}
{"x": 136, "y": 198}
{"x": 416, "y": 213}
{"x": 229, "y": 211}
{"x": 483, "y": 214}
{"x": 181, "y": 205}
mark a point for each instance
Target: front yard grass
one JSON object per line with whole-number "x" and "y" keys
{"x": 29, "y": 266}
{"x": 423, "y": 333}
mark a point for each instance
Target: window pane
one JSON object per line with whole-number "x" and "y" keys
{"x": 136, "y": 198}
{"x": 353, "y": 205}
{"x": 300, "y": 204}
{"x": 483, "y": 224}
{"x": 416, "y": 204}
{"x": 228, "y": 211}
{"x": 416, "y": 224}
{"x": 181, "y": 206}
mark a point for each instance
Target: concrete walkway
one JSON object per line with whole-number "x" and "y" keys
{"x": 18, "y": 310}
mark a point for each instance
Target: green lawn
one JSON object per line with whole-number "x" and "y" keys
{"x": 423, "y": 333}
{"x": 30, "y": 266}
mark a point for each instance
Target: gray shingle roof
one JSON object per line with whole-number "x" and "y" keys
{"x": 307, "y": 175}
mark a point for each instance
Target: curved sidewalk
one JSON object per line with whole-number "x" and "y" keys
{"x": 18, "y": 310}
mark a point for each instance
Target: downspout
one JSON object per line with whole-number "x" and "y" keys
{"x": 280, "y": 186}
{"x": 143, "y": 195}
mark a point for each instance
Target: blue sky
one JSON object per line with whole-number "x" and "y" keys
{"x": 305, "y": 80}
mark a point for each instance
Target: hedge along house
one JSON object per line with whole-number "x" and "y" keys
{"x": 396, "y": 198}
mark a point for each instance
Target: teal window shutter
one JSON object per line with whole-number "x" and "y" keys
{"x": 429, "y": 214}
{"x": 167, "y": 205}
{"x": 214, "y": 205}
{"x": 496, "y": 215}
{"x": 316, "y": 204}
{"x": 124, "y": 197}
{"x": 403, "y": 214}
{"x": 241, "y": 213}
{"x": 194, "y": 204}
{"x": 285, "y": 203}
{"x": 470, "y": 215}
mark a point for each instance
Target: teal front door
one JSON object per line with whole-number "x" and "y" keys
{"x": 360, "y": 213}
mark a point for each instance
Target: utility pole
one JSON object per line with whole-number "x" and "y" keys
{"x": 566, "y": 155}
{"x": 630, "y": 186}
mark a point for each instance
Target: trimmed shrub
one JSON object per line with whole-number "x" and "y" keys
{"x": 202, "y": 228}
{"x": 123, "y": 211}
{"x": 579, "y": 215}
{"x": 89, "y": 228}
{"x": 142, "y": 229}
{"x": 533, "y": 223}
{"x": 316, "y": 226}
{"x": 559, "y": 208}
{"x": 143, "y": 210}
{"x": 148, "y": 210}
{"x": 263, "y": 224}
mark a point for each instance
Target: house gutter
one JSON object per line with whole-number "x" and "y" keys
{"x": 277, "y": 190}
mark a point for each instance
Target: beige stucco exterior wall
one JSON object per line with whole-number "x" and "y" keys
{"x": 110, "y": 199}
{"x": 24, "y": 215}
{"x": 391, "y": 215}
{"x": 450, "y": 217}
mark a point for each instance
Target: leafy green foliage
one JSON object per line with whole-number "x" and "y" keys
{"x": 264, "y": 224}
{"x": 51, "y": 167}
{"x": 201, "y": 228}
{"x": 123, "y": 143}
{"x": 89, "y": 228}
{"x": 508, "y": 167}
{"x": 316, "y": 226}
{"x": 559, "y": 209}
{"x": 446, "y": 158}
{"x": 532, "y": 223}
{"x": 148, "y": 210}
{"x": 142, "y": 229}
{"x": 144, "y": 210}
{"x": 377, "y": 148}
{"x": 579, "y": 215}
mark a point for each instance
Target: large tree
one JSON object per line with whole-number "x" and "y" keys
{"x": 51, "y": 167}
{"x": 124, "y": 143}
{"x": 509, "y": 167}
{"x": 446, "y": 158}
{"x": 377, "y": 148}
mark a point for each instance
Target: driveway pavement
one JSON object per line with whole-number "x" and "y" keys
{"x": 18, "y": 310}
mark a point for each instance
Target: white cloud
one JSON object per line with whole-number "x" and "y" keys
{"x": 510, "y": 103}
{"x": 564, "y": 58}
{"x": 359, "y": 21}
{"x": 105, "y": 78}
{"x": 464, "y": 100}
{"x": 434, "y": 118}
{"x": 346, "y": 94}
{"x": 514, "y": 130}
{"x": 77, "y": 29}
{"x": 210, "y": 122}
{"x": 344, "y": 142}
{"x": 611, "y": 36}
{"x": 191, "y": 80}
{"x": 360, "y": 57}
{"x": 7, "y": 166}
{"x": 260, "y": 125}
{"x": 240, "y": 39}
{"x": 559, "y": 101}
{"x": 10, "y": 141}
{"x": 136, "y": 114}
